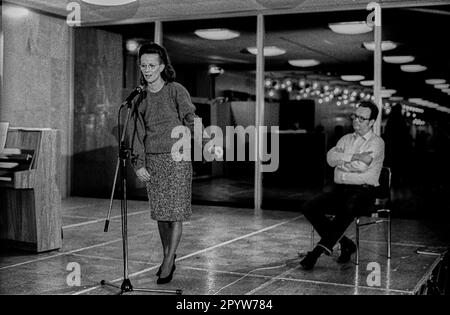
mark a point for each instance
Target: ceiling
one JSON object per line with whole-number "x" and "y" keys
{"x": 143, "y": 11}
{"x": 299, "y": 26}
{"x": 418, "y": 32}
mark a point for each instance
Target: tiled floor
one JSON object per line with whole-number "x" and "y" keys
{"x": 223, "y": 251}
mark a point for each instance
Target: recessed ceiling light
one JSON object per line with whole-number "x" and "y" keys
{"x": 442, "y": 86}
{"x": 385, "y": 45}
{"x": 303, "y": 62}
{"x": 215, "y": 70}
{"x": 352, "y": 78}
{"x": 435, "y": 81}
{"x": 350, "y": 28}
{"x": 398, "y": 59}
{"x": 367, "y": 83}
{"x": 15, "y": 12}
{"x": 217, "y": 33}
{"x": 132, "y": 45}
{"x": 109, "y": 2}
{"x": 413, "y": 68}
{"x": 269, "y": 51}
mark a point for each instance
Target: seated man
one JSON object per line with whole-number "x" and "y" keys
{"x": 357, "y": 159}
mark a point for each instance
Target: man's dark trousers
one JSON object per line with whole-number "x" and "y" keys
{"x": 345, "y": 202}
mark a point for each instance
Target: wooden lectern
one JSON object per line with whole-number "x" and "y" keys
{"x": 30, "y": 199}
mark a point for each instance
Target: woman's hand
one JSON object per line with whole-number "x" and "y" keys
{"x": 143, "y": 175}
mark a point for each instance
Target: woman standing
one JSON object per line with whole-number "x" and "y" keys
{"x": 163, "y": 106}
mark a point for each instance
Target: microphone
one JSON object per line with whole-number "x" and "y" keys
{"x": 138, "y": 90}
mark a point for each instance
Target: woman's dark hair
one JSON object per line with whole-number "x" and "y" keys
{"x": 168, "y": 74}
{"x": 373, "y": 109}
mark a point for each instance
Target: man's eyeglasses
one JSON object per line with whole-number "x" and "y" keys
{"x": 149, "y": 66}
{"x": 358, "y": 117}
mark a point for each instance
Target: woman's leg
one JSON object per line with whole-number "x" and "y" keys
{"x": 175, "y": 231}
{"x": 164, "y": 233}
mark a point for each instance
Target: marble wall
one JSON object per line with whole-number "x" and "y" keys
{"x": 36, "y": 70}
{"x": 98, "y": 95}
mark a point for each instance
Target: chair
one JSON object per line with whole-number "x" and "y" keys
{"x": 381, "y": 206}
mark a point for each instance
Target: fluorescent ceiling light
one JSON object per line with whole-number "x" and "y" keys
{"x": 15, "y": 12}
{"x": 217, "y": 33}
{"x": 442, "y": 109}
{"x": 435, "y": 81}
{"x": 396, "y": 98}
{"x": 352, "y": 78}
{"x": 350, "y": 28}
{"x": 269, "y": 51}
{"x": 446, "y": 90}
{"x": 303, "y": 62}
{"x": 109, "y": 2}
{"x": 387, "y": 93}
{"x": 367, "y": 83}
{"x": 423, "y": 102}
{"x": 398, "y": 59}
{"x": 385, "y": 45}
{"x": 413, "y": 68}
{"x": 442, "y": 86}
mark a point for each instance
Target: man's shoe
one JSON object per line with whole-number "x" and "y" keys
{"x": 347, "y": 249}
{"x": 309, "y": 261}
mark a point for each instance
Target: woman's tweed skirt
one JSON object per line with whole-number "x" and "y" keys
{"x": 170, "y": 187}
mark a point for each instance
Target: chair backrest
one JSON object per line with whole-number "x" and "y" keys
{"x": 384, "y": 190}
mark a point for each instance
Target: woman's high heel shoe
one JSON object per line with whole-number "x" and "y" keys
{"x": 168, "y": 278}
{"x": 159, "y": 270}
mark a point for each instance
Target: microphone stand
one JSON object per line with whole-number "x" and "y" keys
{"x": 124, "y": 154}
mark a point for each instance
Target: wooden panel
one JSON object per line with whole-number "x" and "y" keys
{"x": 30, "y": 211}
{"x": 24, "y": 179}
{"x": 23, "y": 140}
{"x": 47, "y": 194}
{"x": 18, "y": 221}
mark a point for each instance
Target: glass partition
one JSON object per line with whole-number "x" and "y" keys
{"x": 312, "y": 86}
{"x": 212, "y": 61}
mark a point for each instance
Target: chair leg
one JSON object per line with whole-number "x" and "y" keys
{"x": 312, "y": 237}
{"x": 357, "y": 240}
{"x": 389, "y": 235}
